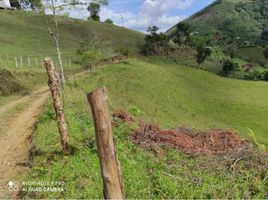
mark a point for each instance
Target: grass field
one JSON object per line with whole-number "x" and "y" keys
{"x": 173, "y": 95}
{"x": 24, "y": 39}
{"x": 25, "y": 34}
{"x": 252, "y": 54}
{"x": 170, "y": 95}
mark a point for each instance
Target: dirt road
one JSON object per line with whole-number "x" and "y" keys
{"x": 15, "y": 142}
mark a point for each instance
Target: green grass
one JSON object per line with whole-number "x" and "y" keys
{"x": 236, "y": 21}
{"x": 25, "y": 34}
{"x": 170, "y": 95}
{"x": 252, "y": 54}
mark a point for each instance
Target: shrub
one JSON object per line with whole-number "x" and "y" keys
{"x": 228, "y": 67}
{"x": 90, "y": 58}
{"x": 202, "y": 53}
{"x": 265, "y": 76}
{"x": 231, "y": 51}
{"x": 182, "y": 34}
{"x": 109, "y": 21}
{"x": 156, "y": 44}
{"x": 255, "y": 75}
{"x": 122, "y": 51}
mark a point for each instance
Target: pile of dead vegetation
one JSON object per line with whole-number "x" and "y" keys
{"x": 214, "y": 142}
{"x": 120, "y": 115}
{"x": 210, "y": 143}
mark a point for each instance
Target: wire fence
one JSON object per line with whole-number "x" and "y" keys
{"x": 18, "y": 61}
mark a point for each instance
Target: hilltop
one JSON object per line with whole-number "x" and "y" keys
{"x": 24, "y": 34}
{"x": 244, "y": 21}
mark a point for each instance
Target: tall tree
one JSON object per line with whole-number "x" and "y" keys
{"x": 21, "y": 4}
{"x": 94, "y": 9}
{"x": 156, "y": 43}
{"x": 183, "y": 33}
{"x": 56, "y": 7}
{"x": 202, "y": 50}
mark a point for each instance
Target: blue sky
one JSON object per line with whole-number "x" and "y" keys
{"x": 139, "y": 14}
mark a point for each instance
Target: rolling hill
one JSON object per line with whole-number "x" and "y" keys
{"x": 25, "y": 34}
{"x": 152, "y": 90}
{"x": 244, "y": 22}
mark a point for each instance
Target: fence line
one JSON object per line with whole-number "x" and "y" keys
{"x": 19, "y": 61}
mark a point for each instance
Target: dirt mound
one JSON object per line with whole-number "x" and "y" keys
{"x": 214, "y": 142}
{"x": 8, "y": 83}
{"x": 120, "y": 115}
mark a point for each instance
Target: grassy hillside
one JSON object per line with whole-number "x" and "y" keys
{"x": 252, "y": 54}
{"x": 173, "y": 95}
{"x": 25, "y": 34}
{"x": 170, "y": 95}
{"x": 239, "y": 21}
{"x": 24, "y": 37}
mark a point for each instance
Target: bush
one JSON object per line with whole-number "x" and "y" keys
{"x": 90, "y": 58}
{"x": 109, "y": 21}
{"x": 228, "y": 67}
{"x": 202, "y": 53}
{"x": 265, "y": 76}
{"x": 255, "y": 75}
{"x": 122, "y": 51}
{"x": 156, "y": 44}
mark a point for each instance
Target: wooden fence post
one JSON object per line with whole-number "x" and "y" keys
{"x": 53, "y": 83}
{"x": 16, "y": 62}
{"x": 29, "y": 62}
{"x": 110, "y": 169}
{"x": 21, "y": 61}
{"x": 36, "y": 63}
{"x": 42, "y": 66}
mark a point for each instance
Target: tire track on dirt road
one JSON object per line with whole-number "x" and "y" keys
{"x": 9, "y": 106}
{"x": 15, "y": 142}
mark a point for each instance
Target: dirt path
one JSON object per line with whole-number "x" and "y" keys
{"x": 15, "y": 143}
{"x": 9, "y": 106}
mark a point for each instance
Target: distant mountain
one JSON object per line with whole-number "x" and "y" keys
{"x": 242, "y": 21}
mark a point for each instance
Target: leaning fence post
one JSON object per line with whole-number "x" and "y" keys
{"x": 110, "y": 169}
{"x": 54, "y": 86}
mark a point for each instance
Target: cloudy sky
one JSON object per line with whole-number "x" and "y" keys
{"x": 139, "y": 14}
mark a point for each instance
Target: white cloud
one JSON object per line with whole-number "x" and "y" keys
{"x": 151, "y": 12}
